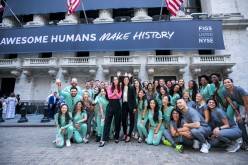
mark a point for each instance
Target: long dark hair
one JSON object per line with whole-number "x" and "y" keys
{"x": 75, "y": 109}
{"x": 160, "y": 94}
{"x": 67, "y": 116}
{"x": 99, "y": 90}
{"x": 143, "y": 98}
{"x": 156, "y": 110}
{"x": 194, "y": 90}
{"x": 169, "y": 104}
{"x": 118, "y": 85}
{"x": 171, "y": 92}
{"x": 180, "y": 116}
{"x": 216, "y": 105}
{"x": 106, "y": 96}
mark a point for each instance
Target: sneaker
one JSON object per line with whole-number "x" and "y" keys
{"x": 146, "y": 140}
{"x": 167, "y": 143}
{"x": 136, "y": 135}
{"x": 233, "y": 147}
{"x": 54, "y": 141}
{"x": 85, "y": 140}
{"x": 196, "y": 144}
{"x": 140, "y": 140}
{"x": 204, "y": 148}
{"x": 179, "y": 148}
{"x": 68, "y": 143}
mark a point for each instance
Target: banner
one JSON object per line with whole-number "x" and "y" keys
{"x": 25, "y": 7}
{"x": 166, "y": 35}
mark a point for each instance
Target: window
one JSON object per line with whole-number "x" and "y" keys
{"x": 157, "y": 11}
{"x": 27, "y": 18}
{"x": 10, "y": 56}
{"x": 121, "y": 53}
{"x": 83, "y": 54}
{"x": 206, "y": 52}
{"x": 123, "y": 12}
{"x": 193, "y": 6}
{"x": 163, "y": 52}
{"x": 57, "y": 16}
{"x": 46, "y": 55}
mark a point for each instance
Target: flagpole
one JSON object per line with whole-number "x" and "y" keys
{"x": 84, "y": 11}
{"x": 161, "y": 10}
{"x": 12, "y": 12}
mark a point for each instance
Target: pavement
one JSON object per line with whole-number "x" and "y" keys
{"x": 34, "y": 120}
{"x": 31, "y": 143}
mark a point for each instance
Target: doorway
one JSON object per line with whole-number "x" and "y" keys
{"x": 7, "y": 86}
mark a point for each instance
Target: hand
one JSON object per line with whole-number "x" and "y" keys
{"x": 239, "y": 118}
{"x": 134, "y": 110}
{"x": 115, "y": 92}
{"x": 212, "y": 137}
{"x": 77, "y": 126}
{"x": 58, "y": 140}
{"x": 155, "y": 136}
{"x": 63, "y": 131}
{"x": 142, "y": 122}
{"x": 216, "y": 131}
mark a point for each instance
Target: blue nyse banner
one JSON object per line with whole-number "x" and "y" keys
{"x": 166, "y": 35}
{"x": 24, "y": 7}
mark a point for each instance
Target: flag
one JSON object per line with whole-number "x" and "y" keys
{"x": 1, "y": 7}
{"x": 72, "y": 6}
{"x": 173, "y": 5}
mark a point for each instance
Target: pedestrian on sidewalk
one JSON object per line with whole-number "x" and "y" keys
{"x": 11, "y": 103}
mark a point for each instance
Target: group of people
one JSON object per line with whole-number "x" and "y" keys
{"x": 212, "y": 114}
{"x": 10, "y": 105}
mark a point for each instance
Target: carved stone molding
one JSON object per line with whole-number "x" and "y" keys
{"x": 16, "y": 74}
{"x": 53, "y": 74}
{"x": 92, "y": 72}
{"x": 196, "y": 71}
{"x": 28, "y": 75}
{"x": 106, "y": 72}
{"x": 136, "y": 71}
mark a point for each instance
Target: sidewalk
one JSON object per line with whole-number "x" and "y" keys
{"x": 33, "y": 121}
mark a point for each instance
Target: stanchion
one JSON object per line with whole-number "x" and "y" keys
{"x": 23, "y": 116}
{"x": 45, "y": 118}
{"x": 1, "y": 115}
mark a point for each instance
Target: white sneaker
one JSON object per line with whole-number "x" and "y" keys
{"x": 85, "y": 140}
{"x": 196, "y": 144}
{"x": 140, "y": 140}
{"x": 233, "y": 147}
{"x": 54, "y": 141}
{"x": 239, "y": 140}
{"x": 204, "y": 148}
{"x": 68, "y": 143}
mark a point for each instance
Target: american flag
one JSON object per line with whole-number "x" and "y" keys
{"x": 173, "y": 5}
{"x": 72, "y": 6}
{"x": 1, "y": 7}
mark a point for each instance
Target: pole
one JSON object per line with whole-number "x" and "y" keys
{"x": 12, "y": 12}
{"x": 160, "y": 15}
{"x": 84, "y": 11}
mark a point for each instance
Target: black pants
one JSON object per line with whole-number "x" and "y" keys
{"x": 125, "y": 111}
{"x": 90, "y": 116}
{"x": 51, "y": 112}
{"x": 113, "y": 109}
{"x": 242, "y": 127}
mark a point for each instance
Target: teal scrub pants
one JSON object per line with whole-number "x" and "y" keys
{"x": 151, "y": 140}
{"x": 61, "y": 137}
{"x": 142, "y": 128}
{"x": 81, "y": 130}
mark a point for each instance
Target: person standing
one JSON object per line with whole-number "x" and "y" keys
{"x": 52, "y": 101}
{"x": 74, "y": 83}
{"x": 19, "y": 104}
{"x": 113, "y": 109}
{"x": 128, "y": 108}
{"x": 70, "y": 98}
{"x": 205, "y": 87}
{"x": 11, "y": 103}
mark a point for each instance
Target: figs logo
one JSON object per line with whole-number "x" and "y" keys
{"x": 206, "y": 35}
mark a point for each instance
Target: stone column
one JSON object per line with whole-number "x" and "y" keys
{"x": 105, "y": 16}
{"x": 141, "y": 15}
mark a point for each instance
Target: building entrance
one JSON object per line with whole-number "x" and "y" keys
{"x": 7, "y": 86}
